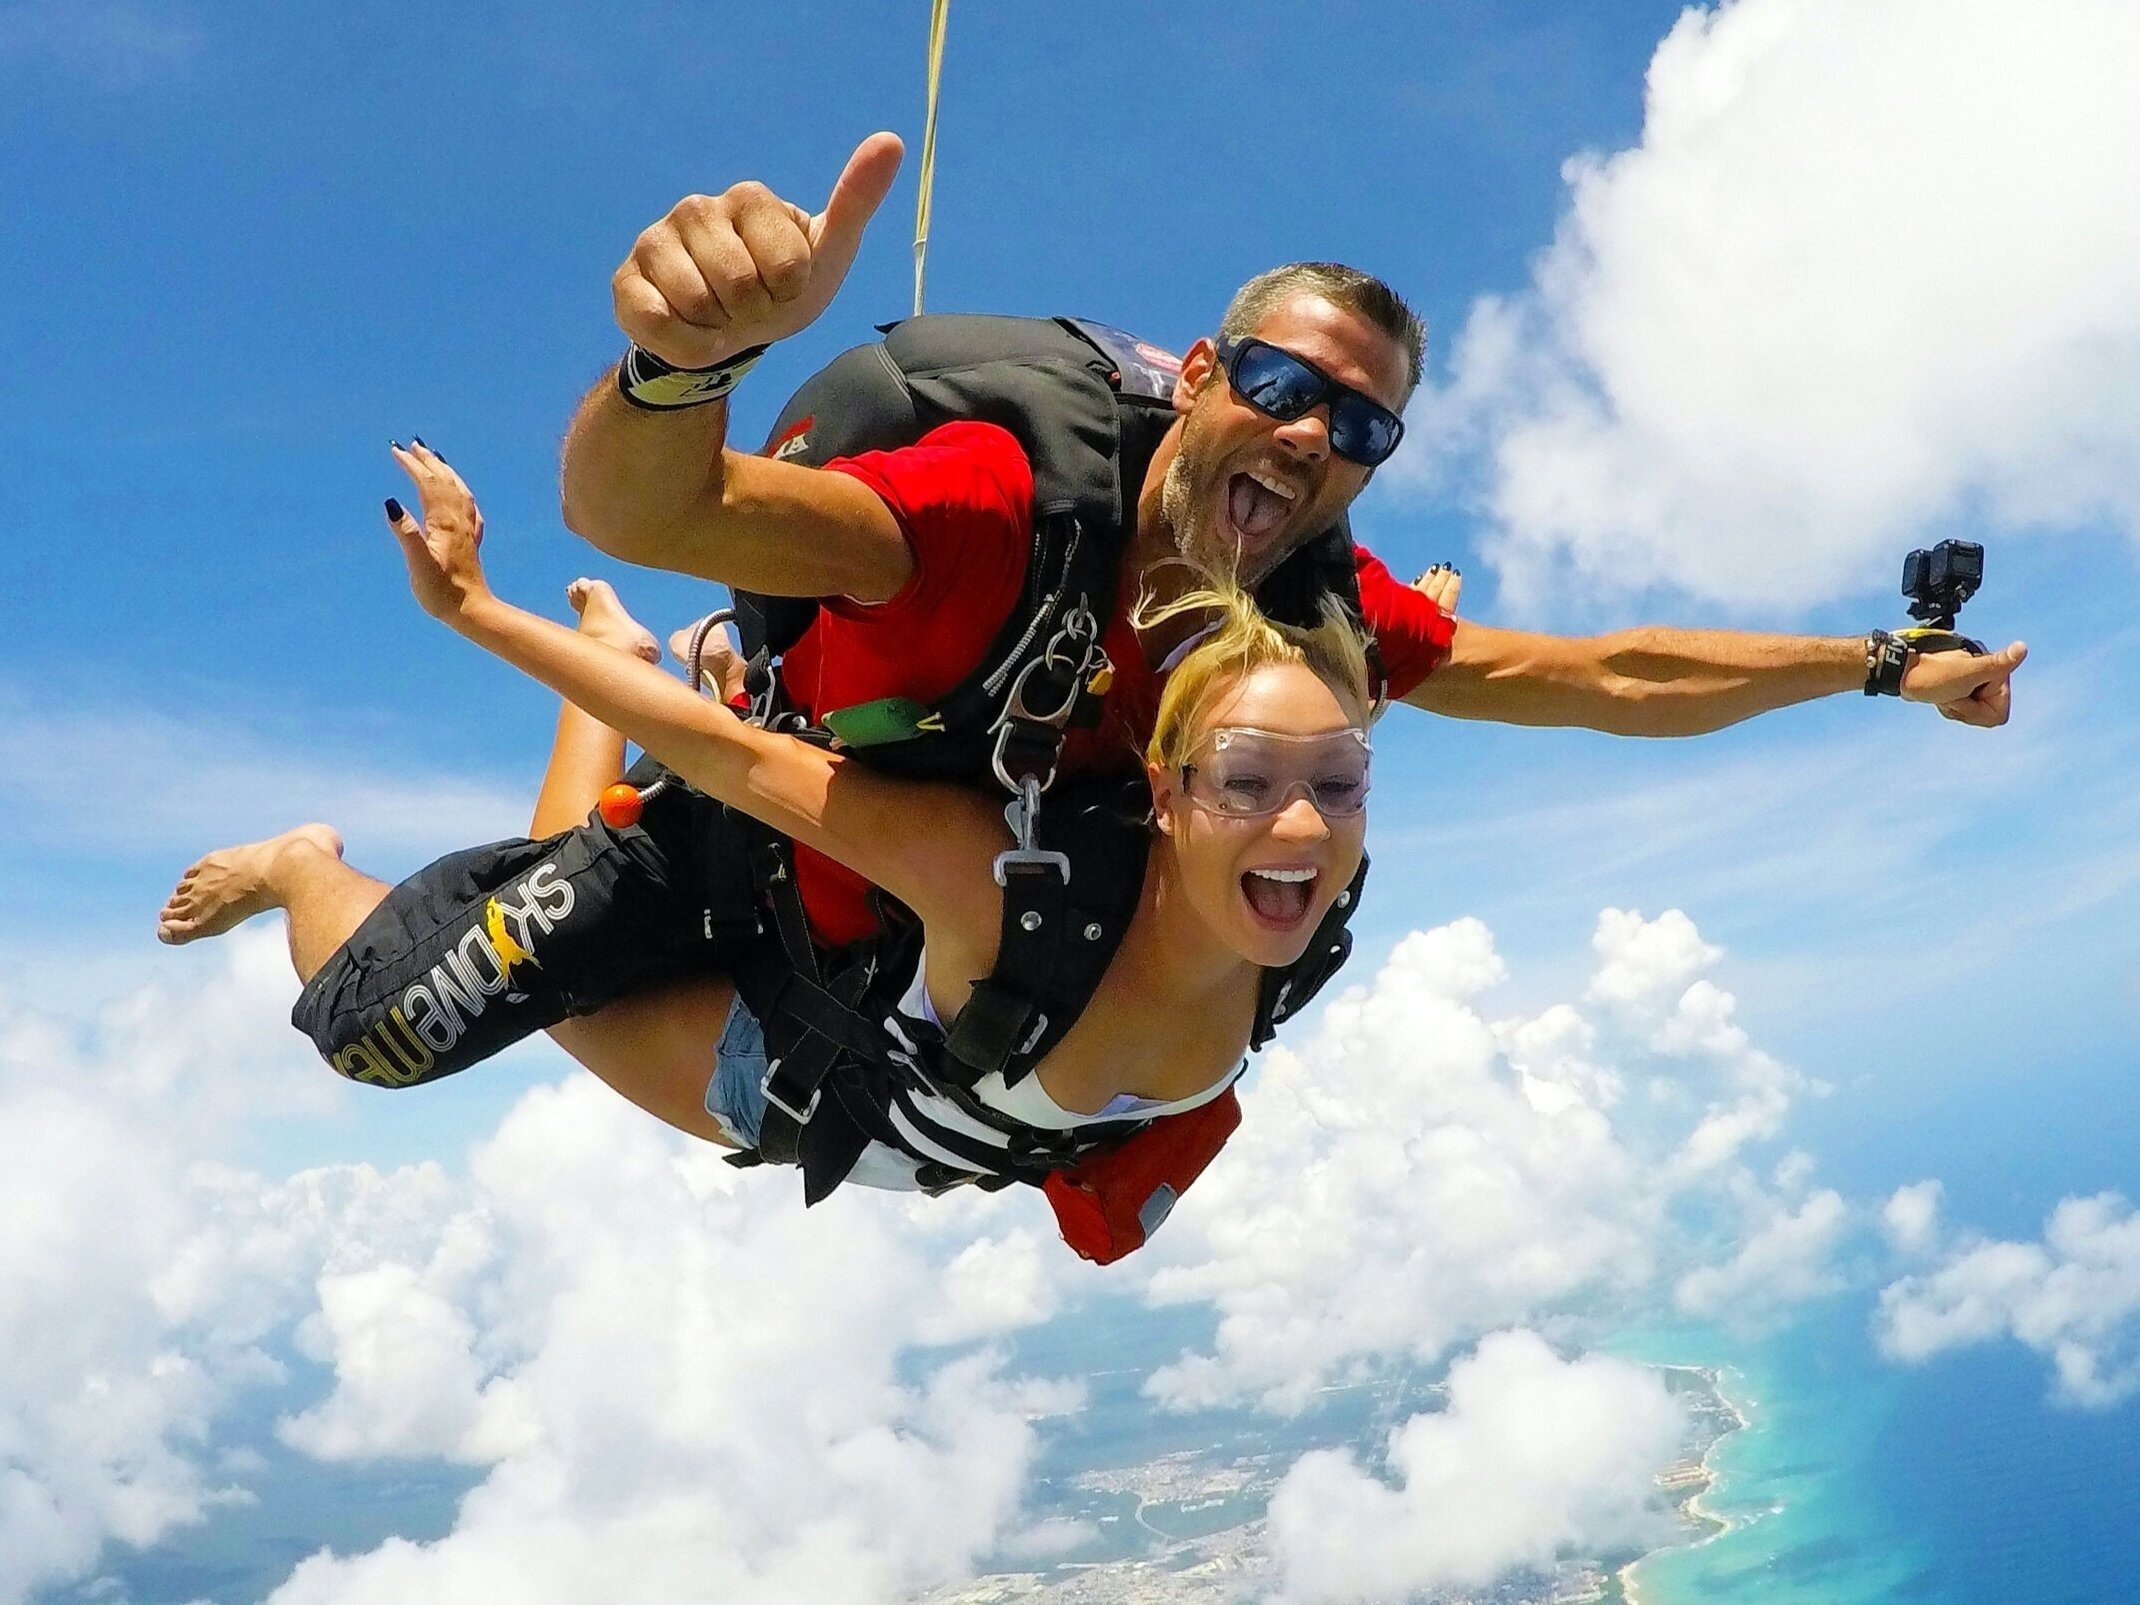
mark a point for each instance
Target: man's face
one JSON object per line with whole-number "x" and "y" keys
{"x": 1245, "y": 487}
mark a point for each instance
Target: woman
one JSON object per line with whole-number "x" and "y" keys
{"x": 1257, "y": 774}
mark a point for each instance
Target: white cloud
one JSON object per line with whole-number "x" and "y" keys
{"x": 656, "y": 1361}
{"x": 408, "y": 1379}
{"x": 1910, "y": 1217}
{"x": 1412, "y": 1175}
{"x": 115, "y": 1369}
{"x": 668, "y": 1371}
{"x": 1640, "y": 960}
{"x": 1872, "y": 262}
{"x": 677, "y": 1375}
{"x": 2074, "y": 1298}
{"x": 1786, "y": 1260}
{"x": 1534, "y": 1457}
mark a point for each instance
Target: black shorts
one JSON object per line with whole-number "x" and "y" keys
{"x": 492, "y": 944}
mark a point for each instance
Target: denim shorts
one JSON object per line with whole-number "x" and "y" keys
{"x": 736, "y": 1098}
{"x": 736, "y": 1094}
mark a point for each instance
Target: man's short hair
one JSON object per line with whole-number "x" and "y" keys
{"x": 1360, "y": 293}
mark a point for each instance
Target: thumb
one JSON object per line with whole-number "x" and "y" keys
{"x": 1998, "y": 665}
{"x": 409, "y": 535}
{"x": 836, "y": 232}
{"x": 405, "y": 528}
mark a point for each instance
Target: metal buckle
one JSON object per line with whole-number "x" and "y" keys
{"x": 801, "y": 1116}
{"x": 1021, "y": 814}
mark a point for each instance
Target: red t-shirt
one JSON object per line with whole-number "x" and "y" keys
{"x": 963, "y": 495}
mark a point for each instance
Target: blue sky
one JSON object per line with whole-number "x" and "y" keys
{"x": 255, "y": 242}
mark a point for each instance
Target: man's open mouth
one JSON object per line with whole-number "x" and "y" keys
{"x": 1257, "y": 505}
{"x": 1279, "y": 897}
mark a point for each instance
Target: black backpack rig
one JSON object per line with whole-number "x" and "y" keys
{"x": 1089, "y": 404}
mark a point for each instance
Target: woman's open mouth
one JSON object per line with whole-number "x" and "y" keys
{"x": 1279, "y": 898}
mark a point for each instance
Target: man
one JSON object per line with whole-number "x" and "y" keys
{"x": 934, "y": 535}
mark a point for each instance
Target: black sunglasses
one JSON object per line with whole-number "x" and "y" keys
{"x": 1282, "y": 386}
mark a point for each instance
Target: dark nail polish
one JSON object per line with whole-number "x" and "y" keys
{"x": 395, "y": 444}
{"x": 394, "y": 513}
{"x": 1459, "y": 573}
{"x": 419, "y": 439}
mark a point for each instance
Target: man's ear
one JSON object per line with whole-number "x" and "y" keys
{"x": 1196, "y": 371}
{"x": 1166, "y": 796}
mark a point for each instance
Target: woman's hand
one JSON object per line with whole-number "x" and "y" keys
{"x": 1442, "y": 585}
{"x": 444, "y": 569}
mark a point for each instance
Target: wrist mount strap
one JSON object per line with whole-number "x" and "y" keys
{"x": 1886, "y": 656}
{"x": 1931, "y": 638}
{"x": 649, "y": 383}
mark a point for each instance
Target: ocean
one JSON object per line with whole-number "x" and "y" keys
{"x": 1952, "y": 1483}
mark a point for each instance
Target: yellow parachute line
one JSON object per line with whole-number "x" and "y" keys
{"x": 939, "y": 11}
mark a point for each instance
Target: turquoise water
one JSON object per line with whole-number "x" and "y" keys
{"x": 1955, "y": 1483}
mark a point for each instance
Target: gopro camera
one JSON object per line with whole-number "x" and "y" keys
{"x": 1939, "y": 581}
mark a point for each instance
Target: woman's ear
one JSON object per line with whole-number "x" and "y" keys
{"x": 1166, "y": 796}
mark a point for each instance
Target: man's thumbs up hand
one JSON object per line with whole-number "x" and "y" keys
{"x": 722, "y": 273}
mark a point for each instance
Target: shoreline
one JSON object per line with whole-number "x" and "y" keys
{"x": 1695, "y": 1503}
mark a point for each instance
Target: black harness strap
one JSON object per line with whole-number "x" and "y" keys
{"x": 1002, "y": 1018}
{"x": 815, "y": 1022}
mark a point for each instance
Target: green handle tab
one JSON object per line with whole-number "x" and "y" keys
{"x": 873, "y": 724}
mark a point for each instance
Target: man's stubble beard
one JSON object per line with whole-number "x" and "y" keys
{"x": 1190, "y": 504}
{"x": 1190, "y": 517}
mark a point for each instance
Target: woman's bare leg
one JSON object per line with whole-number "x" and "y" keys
{"x": 300, "y": 872}
{"x": 587, "y": 755}
{"x": 657, "y": 1049}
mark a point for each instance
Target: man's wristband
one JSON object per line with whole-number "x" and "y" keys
{"x": 646, "y": 381}
{"x": 1886, "y": 656}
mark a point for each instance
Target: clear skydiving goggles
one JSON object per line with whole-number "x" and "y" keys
{"x": 1249, "y": 774}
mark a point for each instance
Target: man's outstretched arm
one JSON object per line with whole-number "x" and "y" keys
{"x": 716, "y": 278}
{"x": 1656, "y": 681}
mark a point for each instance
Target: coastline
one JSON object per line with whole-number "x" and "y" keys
{"x": 1695, "y": 1504}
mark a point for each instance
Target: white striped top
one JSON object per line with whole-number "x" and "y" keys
{"x": 923, "y": 1118}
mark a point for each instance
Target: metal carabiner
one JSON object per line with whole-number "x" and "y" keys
{"x": 1080, "y": 628}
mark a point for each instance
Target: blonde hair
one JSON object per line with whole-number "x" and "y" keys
{"x": 1244, "y": 640}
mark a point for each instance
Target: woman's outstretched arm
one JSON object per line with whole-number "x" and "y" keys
{"x": 929, "y": 845}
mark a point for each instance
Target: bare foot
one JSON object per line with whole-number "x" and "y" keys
{"x": 717, "y": 659}
{"x": 230, "y": 886}
{"x": 603, "y": 618}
